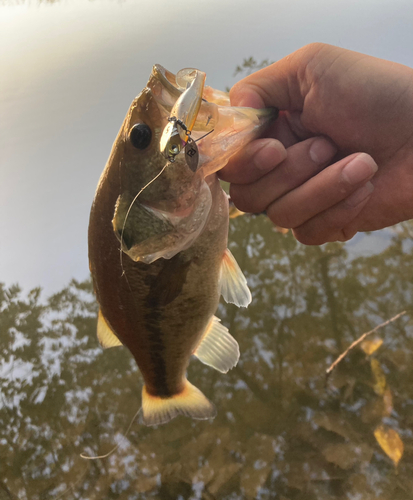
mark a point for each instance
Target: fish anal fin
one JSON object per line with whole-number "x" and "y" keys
{"x": 190, "y": 402}
{"x": 218, "y": 348}
{"x": 106, "y": 336}
{"x": 234, "y": 286}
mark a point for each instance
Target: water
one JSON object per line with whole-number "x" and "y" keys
{"x": 280, "y": 431}
{"x": 66, "y": 79}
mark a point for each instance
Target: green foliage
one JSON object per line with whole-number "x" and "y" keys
{"x": 250, "y": 65}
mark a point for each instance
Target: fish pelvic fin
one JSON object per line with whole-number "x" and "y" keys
{"x": 190, "y": 402}
{"x": 217, "y": 347}
{"x": 106, "y": 336}
{"x": 234, "y": 286}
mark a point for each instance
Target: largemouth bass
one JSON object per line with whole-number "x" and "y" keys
{"x": 158, "y": 237}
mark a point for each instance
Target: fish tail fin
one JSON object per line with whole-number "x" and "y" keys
{"x": 189, "y": 402}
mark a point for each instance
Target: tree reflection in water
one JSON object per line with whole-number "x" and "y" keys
{"x": 280, "y": 433}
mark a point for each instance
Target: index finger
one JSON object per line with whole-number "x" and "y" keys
{"x": 254, "y": 161}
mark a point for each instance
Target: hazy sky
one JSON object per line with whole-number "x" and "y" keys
{"x": 69, "y": 70}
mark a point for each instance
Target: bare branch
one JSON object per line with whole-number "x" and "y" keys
{"x": 359, "y": 340}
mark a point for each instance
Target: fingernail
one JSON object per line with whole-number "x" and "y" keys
{"x": 322, "y": 150}
{"x": 267, "y": 157}
{"x": 360, "y": 195}
{"x": 361, "y": 168}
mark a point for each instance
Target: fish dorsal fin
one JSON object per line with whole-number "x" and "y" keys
{"x": 234, "y": 286}
{"x": 190, "y": 403}
{"x": 218, "y": 348}
{"x": 106, "y": 336}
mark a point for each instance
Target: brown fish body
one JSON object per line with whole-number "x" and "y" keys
{"x": 158, "y": 247}
{"x": 151, "y": 306}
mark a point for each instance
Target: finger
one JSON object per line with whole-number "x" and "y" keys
{"x": 334, "y": 224}
{"x": 323, "y": 191}
{"x": 282, "y": 130}
{"x": 304, "y": 160}
{"x": 254, "y": 161}
{"x": 286, "y": 82}
{"x": 296, "y": 126}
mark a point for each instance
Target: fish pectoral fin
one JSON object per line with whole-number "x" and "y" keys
{"x": 106, "y": 336}
{"x": 234, "y": 286}
{"x": 190, "y": 402}
{"x": 218, "y": 348}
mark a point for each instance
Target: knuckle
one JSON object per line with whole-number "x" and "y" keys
{"x": 289, "y": 169}
{"x": 346, "y": 234}
{"x": 314, "y": 46}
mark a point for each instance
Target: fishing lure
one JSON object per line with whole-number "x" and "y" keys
{"x": 177, "y": 133}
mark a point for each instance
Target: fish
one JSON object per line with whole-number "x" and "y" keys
{"x": 158, "y": 234}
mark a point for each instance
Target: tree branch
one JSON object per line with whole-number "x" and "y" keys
{"x": 358, "y": 341}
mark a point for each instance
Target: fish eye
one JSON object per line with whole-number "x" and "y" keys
{"x": 140, "y": 136}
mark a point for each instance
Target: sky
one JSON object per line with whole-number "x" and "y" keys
{"x": 70, "y": 69}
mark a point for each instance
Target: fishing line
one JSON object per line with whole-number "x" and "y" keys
{"x": 210, "y": 132}
{"x": 87, "y": 457}
{"x": 127, "y": 214}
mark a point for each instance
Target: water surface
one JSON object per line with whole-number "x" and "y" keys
{"x": 280, "y": 431}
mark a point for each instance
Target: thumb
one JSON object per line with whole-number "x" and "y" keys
{"x": 283, "y": 84}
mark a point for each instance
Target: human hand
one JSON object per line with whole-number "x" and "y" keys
{"x": 340, "y": 158}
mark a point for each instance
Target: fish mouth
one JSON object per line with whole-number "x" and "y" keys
{"x": 221, "y": 129}
{"x": 167, "y": 79}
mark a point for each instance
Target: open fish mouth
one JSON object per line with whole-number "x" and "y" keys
{"x": 218, "y": 129}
